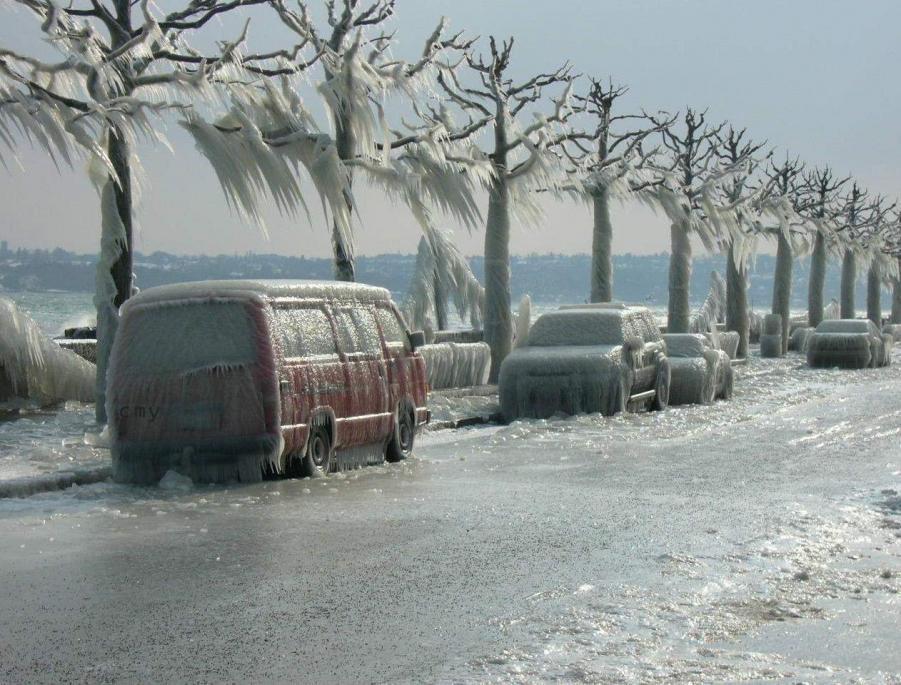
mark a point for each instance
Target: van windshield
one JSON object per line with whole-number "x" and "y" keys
{"x": 186, "y": 336}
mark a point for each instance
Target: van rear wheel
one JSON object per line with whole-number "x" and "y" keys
{"x": 318, "y": 458}
{"x": 400, "y": 445}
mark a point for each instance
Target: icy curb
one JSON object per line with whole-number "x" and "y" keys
{"x": 61, "y": 480}
{"x": 460, "y": 407}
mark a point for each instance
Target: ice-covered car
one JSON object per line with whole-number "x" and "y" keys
{"x": 699, "y": 372}
{"x": 228, "y": 380}
{"x": 585, "y": 360}
{"x": 849, "y": 344}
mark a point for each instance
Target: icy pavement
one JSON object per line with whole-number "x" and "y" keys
{"x": 755, "y": 540}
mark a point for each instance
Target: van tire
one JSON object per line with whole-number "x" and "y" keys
{"x": 400, "y": 445}
{"x": 317, "y": 460}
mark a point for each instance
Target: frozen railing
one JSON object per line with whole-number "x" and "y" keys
{"x": 456, "y": 365}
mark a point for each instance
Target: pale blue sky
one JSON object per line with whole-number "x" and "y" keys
{"x": 817, "y": 77}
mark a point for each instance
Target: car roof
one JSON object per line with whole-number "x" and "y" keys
{"x": 268, "y": 288}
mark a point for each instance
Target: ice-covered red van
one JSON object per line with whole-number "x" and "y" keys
{"x": 235, "y": 380}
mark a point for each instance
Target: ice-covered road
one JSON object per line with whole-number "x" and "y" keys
{"x": 754, "y": 540}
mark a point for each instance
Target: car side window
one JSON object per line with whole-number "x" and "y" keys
{"x": 348, "y": 337}
{"x": 305, "y": 332}
{"x": 392, "y": 329}
{"x": 357, "y": 331}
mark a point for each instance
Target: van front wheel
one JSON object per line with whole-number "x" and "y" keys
{"x": 318, "y": 459}
{"x": 400, "y": 445}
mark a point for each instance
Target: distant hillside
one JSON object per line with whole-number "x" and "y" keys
{"x": 547, "y": 278}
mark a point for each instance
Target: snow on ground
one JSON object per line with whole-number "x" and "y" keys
{"x": 747, "y": 541}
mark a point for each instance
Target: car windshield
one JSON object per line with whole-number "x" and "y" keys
{"x": 578, "y": 327}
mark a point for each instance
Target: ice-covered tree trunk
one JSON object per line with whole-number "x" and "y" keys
{"x": 440, "y": 304}
{"x": 874, "y": 293}
{"x": 498, "y": 318}
{"x": 849, "y": 285}
{"x": 817, "y": 281}
{"x": 601, "y": 248}
{"x": 782, "y": 286}
{"x": 114, "y": 267}
{"x": 346, "y": 147}
{"x": 896, "y": 300}
{"x": 678, "y": 308}
{"x": 737, "y": 318}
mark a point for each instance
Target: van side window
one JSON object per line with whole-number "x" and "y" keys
{"x": 357, "y": 331}
{"x": 305, "y": 332}
{"x": 392, "y": 328}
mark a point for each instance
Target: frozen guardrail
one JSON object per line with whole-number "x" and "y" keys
{"x": 456, "y": 365}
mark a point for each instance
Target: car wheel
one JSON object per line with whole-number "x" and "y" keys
{"x": 400, "y": 444}
{"x": 318, "y": 459}
{"x": 661, "y": 386}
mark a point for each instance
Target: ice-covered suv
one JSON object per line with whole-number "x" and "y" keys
{"x": 584, "y": 360}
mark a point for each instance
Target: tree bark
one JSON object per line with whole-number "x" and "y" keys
{"x": 601, "y": 248}
{"x": 817, "y": 281}
{"x": 115, "y": 266}
{"x": 849, "y": 285}
{"x": 737, "y": 302}
{"x": 678, "y": 308}
{"x": 782, "y": 286}
{"x": 498, "y": 318}
{"x": 874, "y": 293}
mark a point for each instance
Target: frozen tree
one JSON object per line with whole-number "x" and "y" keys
{"x": 358, "y": 75}
{"x": 442, "y": 273}
{"x": 876, "y": 247}
{"x": 119, "y": 63}
{"x": 856, "y": 227}
{"x": 822, "y": 189}
{"x": 522, "y": 160}
{"x": 791, "y": 235}
{"x": 612, "y": 168}
{"x": 689, "y": 177}
{"x": 893, "y": 252}
{"x": 743, "y": 156}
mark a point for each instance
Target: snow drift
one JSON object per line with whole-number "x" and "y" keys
{"x": 35, "y": 370}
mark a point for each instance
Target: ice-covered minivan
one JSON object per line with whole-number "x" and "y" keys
{"x": 234, "y": 380}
